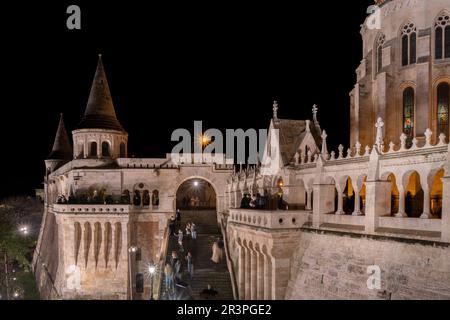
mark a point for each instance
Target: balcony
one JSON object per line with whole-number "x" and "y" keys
{"x": 273, "y": 220}
{"x": 92, "y": 208}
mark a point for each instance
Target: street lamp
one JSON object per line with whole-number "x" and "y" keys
{"x": 24, "y": 230}
{"x": 131, "y": 250}
{"x": 152, "y": 271}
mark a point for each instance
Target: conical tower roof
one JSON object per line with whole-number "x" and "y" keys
{"x": 100, "y": 113}
{"x": 62, "y": 150}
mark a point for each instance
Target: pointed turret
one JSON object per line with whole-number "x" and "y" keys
{"x": 62, "y": 150}
{"x": 100, "y": 113}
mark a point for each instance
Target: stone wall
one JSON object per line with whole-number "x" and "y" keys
{"x": 334, "y": 266}
{"x": 46, "y": 257}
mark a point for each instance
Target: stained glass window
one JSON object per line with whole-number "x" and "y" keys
{"x": 443, "y": 100}
{"x": 408, "y": 113}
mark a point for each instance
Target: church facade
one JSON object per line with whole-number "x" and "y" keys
{"x": 319, "y": 220}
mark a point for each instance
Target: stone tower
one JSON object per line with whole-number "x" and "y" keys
{"x": 404, "y": 76}
{"x": 99, "y": 134}
{"x": 61, "y": 151}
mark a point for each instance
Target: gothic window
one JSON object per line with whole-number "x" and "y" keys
{"x": 93, "y": 149}
{"x": 442, "y": 36}
{"x": 409, "y": 44}
{"x": 122, "y": 150}
{"x": 105, "y": 149}
{"x": 380, "y": 42}
{"x": 146, "y": 198}
{"x": 408, "y": 113}
{"x": 443, "y": 101}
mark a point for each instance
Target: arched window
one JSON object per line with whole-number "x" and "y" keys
{"x": 105, "y": 149}
{"x": 442, "y": 36}
{"x": 93, "y": 149}
{"x": 443, "y": 102}
{"x": 380, "y": 43}
{"x": 155, "y": 198}
{"x": 123, "y": 153}
{"x": 408, "y": 113}
{"x": 80, "y": 150}
{"x": 409, "y": 41}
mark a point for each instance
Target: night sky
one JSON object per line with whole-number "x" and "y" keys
{"x": 169, "y": 64}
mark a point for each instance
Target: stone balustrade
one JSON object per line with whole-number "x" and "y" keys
{"x": 91, "y": 209}
{"x": 269, "y": 219}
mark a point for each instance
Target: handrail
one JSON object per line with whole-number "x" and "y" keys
{"x": 162, "y": 261}
{"x": 229, "y": 261}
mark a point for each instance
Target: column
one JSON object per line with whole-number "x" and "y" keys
{"x": 247, "y": 274}
{"x": 241, "y": 272}
{"x": 340, "y": 208}
{"x": 426, "y": 203}
{"x": 260, "y": 277}
{"x": 308, "y": 199}
{"x": 401, "y": 203}
{"x": 446, "y": 208}
{"x": 357, "y": 211}
{"x": 253, "y": 274}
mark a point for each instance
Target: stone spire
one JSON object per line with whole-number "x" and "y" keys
{"x": 275, "y": 110}
{"x": 62, "y": 149}
{"x": 100, "y": 113}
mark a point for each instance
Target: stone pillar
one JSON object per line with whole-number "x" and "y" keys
{"x": 308, "y": 199}
{"x": 426, "y": 203}
{"x": 260, "y": 277}
{"x": 253, "y": 274}
{"x": 247, "y": 273}
{"x": 324, "y": 195}
{"x": 241, "y": 272}
{"x": 401, "y": 202}
{"x": 268, "y": 286}
{"x": 357, "y": 211}
{"x": 378, "y": 202}
{"x": 446, "y": 209}
{"x": 340, "y": 208}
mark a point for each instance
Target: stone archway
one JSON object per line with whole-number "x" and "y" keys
{"x": 196, "y": 194}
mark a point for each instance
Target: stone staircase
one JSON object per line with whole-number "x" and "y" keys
{"x": 205, "y": 271}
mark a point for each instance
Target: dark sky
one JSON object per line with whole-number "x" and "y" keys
{"x": 169, "y": 64}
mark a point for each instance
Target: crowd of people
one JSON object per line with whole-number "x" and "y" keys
{"x": 173, "y": 270}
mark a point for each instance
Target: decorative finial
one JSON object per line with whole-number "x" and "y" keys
{"x": 315, "y": 110}
{"x": 275, "y": 110}
{"x": 379, "y": 139}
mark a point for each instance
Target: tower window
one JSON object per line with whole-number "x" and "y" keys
{"x": 409, "y": 44}
{"x": 105, "y": 149}
{"x": 442, "y": 37}
{"x": 443, "y": 101}
{"x": 93, "y": 149}
{"x": 380, "y": 42}
{"x": 408, "y": 114}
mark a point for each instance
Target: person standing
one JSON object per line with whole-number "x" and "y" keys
{"x": 190, "y": 264}
{"x": 180, "y": 240}
{"x": 193, "y": 231}
{"x": 178, "y": 218}
{"x": 168, "y": 272}
{"x": 188, "y": 229}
